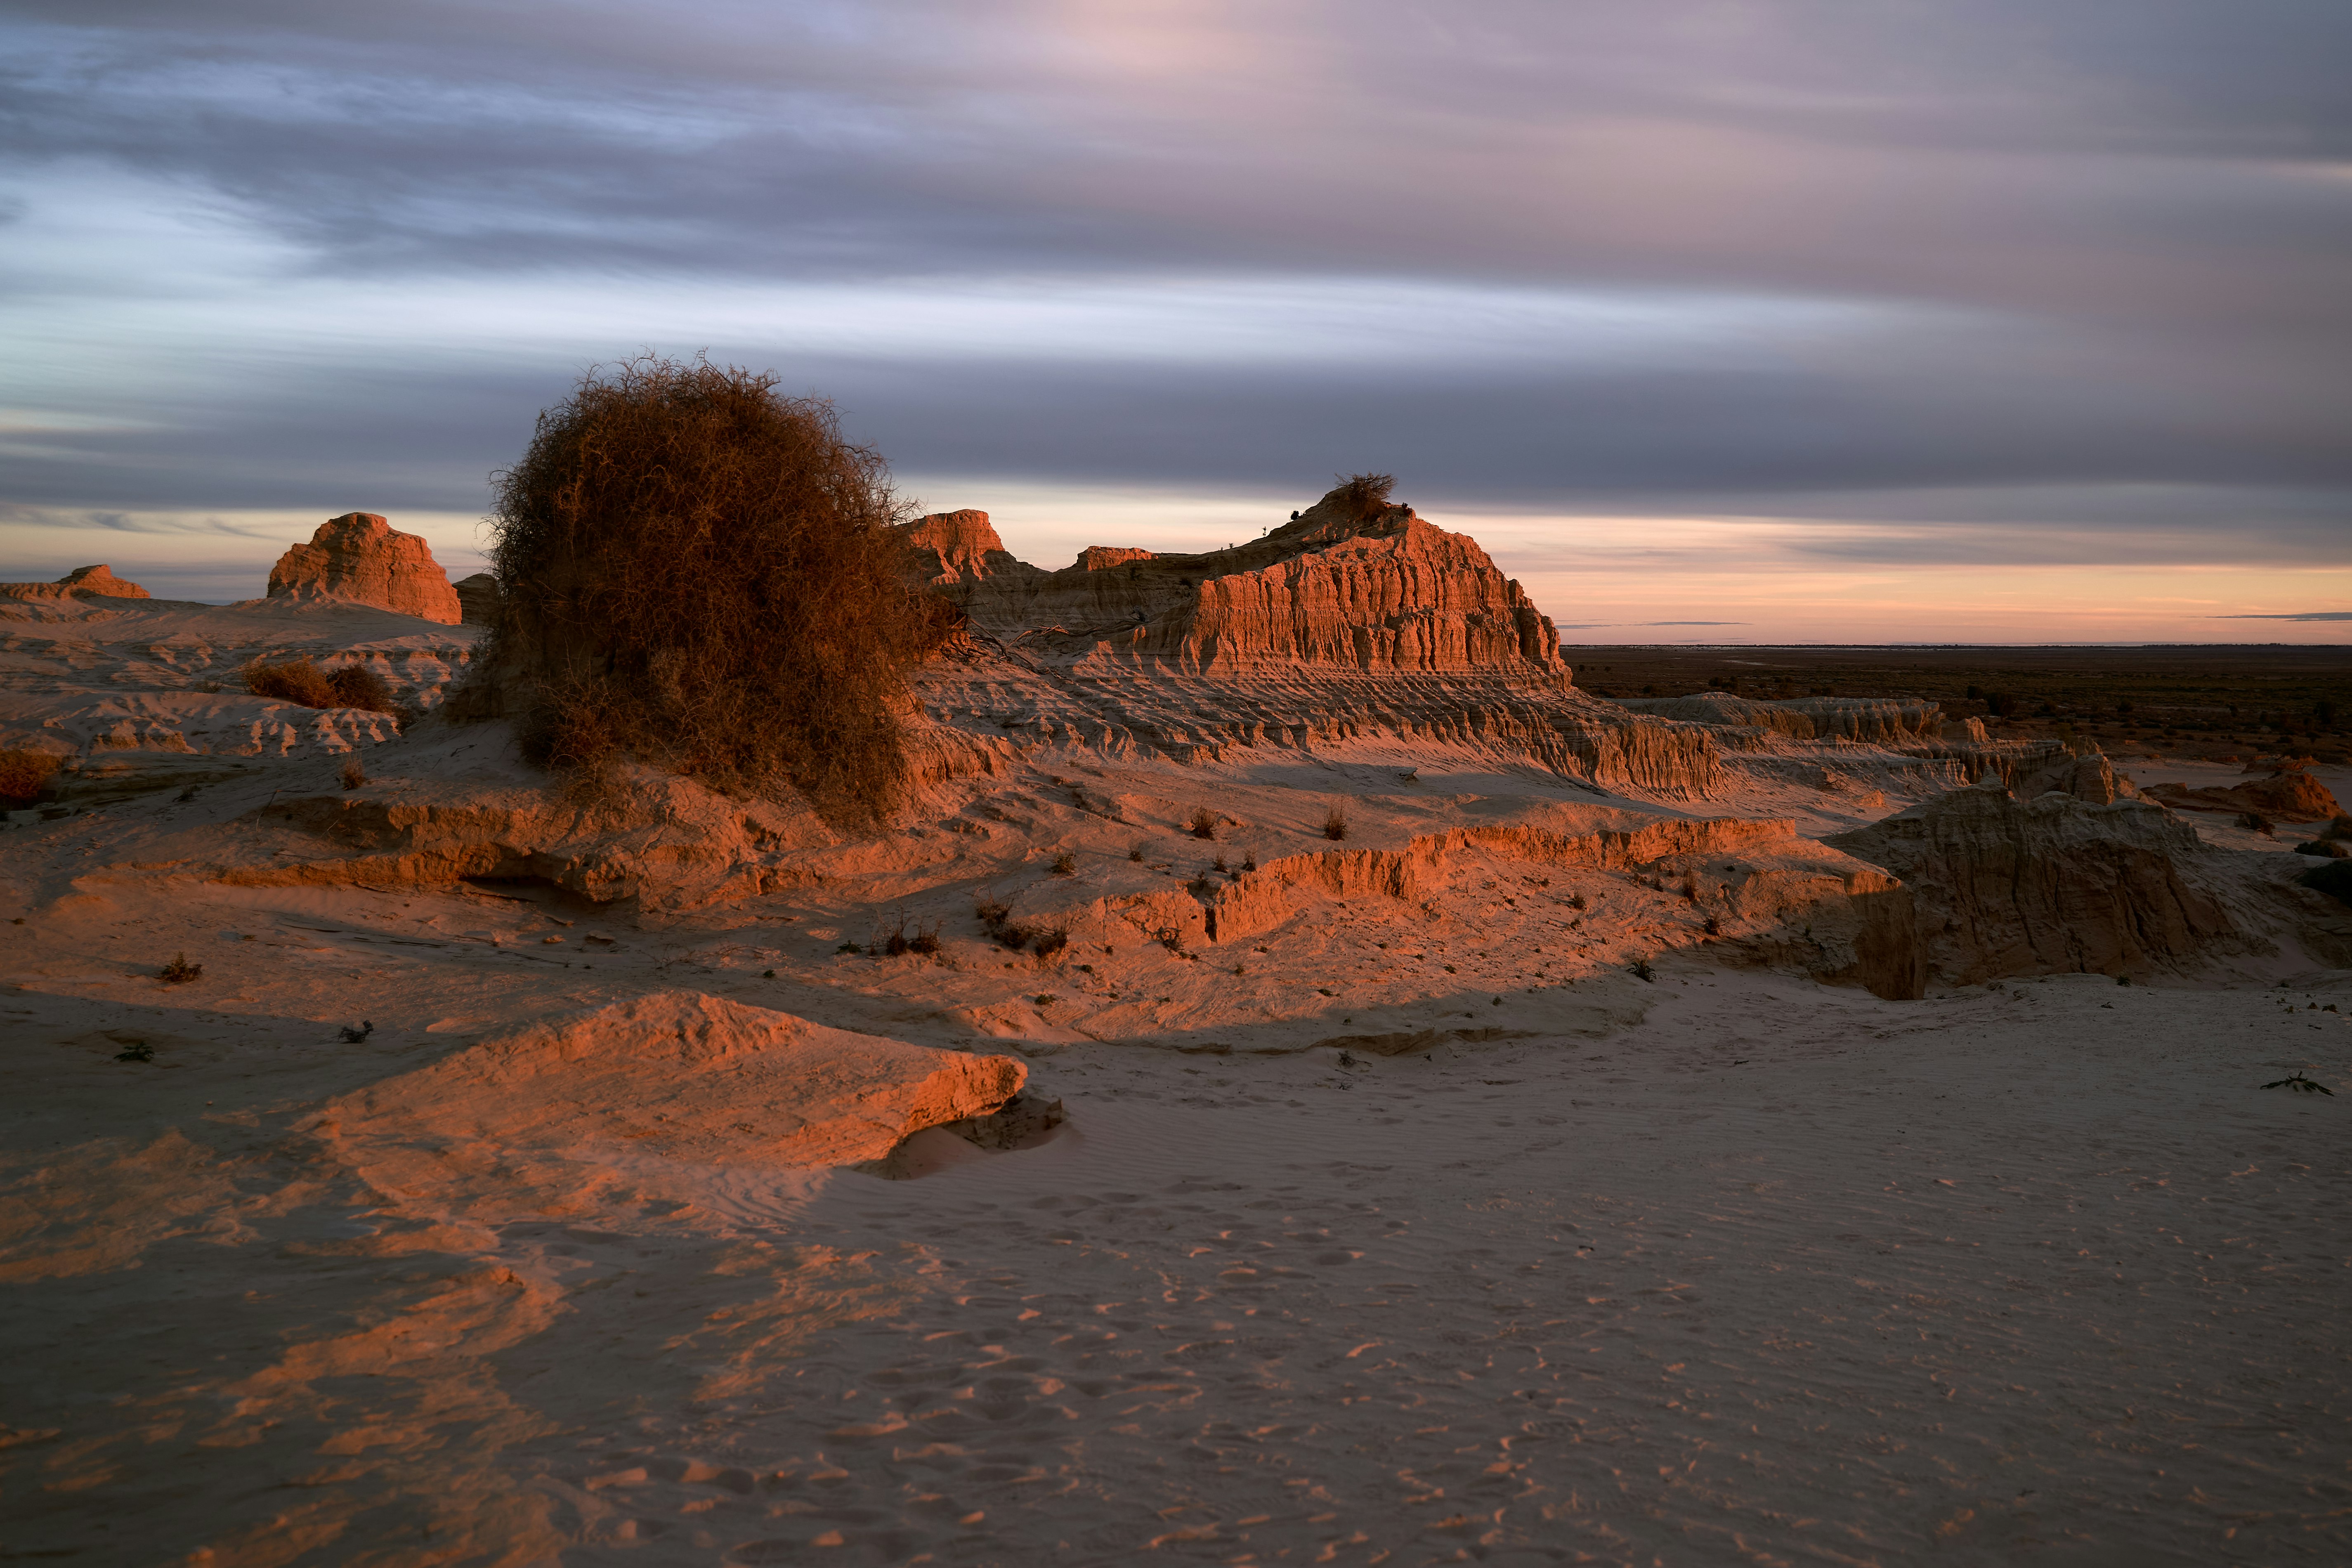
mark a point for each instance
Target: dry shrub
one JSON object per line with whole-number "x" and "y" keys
{"x": 1335, "y": 824}
{"x": 353, "y": 774}
{"x": 24, "y": 775}
{"x": 1204, "y": 824}
{"x": 357, "y": 685}
{"x": 700, "y": 573}
{"x": 294, "y": 681}
{"x": 179, "y": 971}
{"x": 1365, "y": 496}
{"x": 299, "y": 680}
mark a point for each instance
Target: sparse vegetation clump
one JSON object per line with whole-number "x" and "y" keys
{"x": 1366, "y": 495}
{"x": 1203, "y": 823}
{"x": 352, "y": 773}
{"x": 300, "y": 681}
{"x": 24, "y": 775}
{"x": 700, "y": 573}
{"x": 898, "y": 939}
{"x": 179, "y": 971}
{"x": 1066, "y": 864}
{"x": 1335, "y": 824}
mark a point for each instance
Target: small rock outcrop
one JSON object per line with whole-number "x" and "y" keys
{"x": 81, "y": 583}
{"x": 360, "y": 556}
{"x": 2049, "y": 886}
{"x": 685, "y": 1077}
{"x": 477, "y": 596}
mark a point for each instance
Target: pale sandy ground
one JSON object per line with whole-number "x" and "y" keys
{"x": 1729, "y": 1268}
{"x": 1782, "y": 1274}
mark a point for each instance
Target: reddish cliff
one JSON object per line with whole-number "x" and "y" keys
{"x": 360, "y": 556}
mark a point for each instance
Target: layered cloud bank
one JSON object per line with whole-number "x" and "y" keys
{"x": 1983, "y": 304}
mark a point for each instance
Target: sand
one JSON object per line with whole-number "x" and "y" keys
{"x": 1722, "y": 1266}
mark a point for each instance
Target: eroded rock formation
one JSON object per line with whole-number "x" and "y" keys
{"x": 2289, "y": 795}
{"x": 360, "y": 556}
{"x": 81, "y": 583}
{"x": 478, "y": 597}
{"x": 1377, "y": 592}
{"x": 680, "y": 1074}
{"x": 2048, "y": 886}
{"x": 1344, "y": 625}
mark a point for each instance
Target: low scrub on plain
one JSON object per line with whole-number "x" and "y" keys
{"x": 300, "y": 681}
{"x": 701, "y": 574}
{"x": 24, "y": 775}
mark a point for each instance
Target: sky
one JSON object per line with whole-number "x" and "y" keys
{"x": 1714, "y": 322}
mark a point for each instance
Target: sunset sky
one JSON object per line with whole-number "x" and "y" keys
{"x": 2011, "y": 320}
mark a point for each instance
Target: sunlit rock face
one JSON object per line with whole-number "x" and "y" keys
{"x": 360, "y": 556}
{"x": 1339, "y": 588}
{"x": 81, "y": 583}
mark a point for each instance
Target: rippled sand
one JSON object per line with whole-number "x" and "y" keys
{"x": 1781, "y": 1275}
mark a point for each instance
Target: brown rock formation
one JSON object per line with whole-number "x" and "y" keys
{"x": 681, "y": 1075}
{"x": 360, "y": 556}
{"x": 2048, "y": 886}
{"x": 478, "y": 595}
{"x": 81, "y": 583}
{"x": 2289, "y": 795}
{"x": 1380, "y": 593}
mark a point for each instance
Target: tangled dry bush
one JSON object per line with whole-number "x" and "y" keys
{"x": 700, "y": 573}
{"x": 299, "y": 680}
{"x": 23, "y": 776}
{"x": 1366, "y": 495}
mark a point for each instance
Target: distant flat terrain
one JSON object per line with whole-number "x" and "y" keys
{"x": 2197, "y": 700}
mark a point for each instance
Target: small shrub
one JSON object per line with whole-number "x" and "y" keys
{"x": 135, "y": 1051}
{"x": 1335, "y": 823}
{"x": 848, "y": 947}
{"x": 1640, "y": 970}
{"x": 1363, "y": 496}
{"x": 1066, "y": 864}
{"x": 1714, "y": 926}
{"x": 1575, "y": 900}
{"x": 925, "y": 941}
{"x": 2123, "y": 980}
{"x": 357, "y": 685}
{"x": 1044, "y": 998}
{"x": 24, "y": 775}
{"x": 1204, "y": 824}
{"x": 1136, "y": 854}
{"x": 991, "y": 909}
{"x": 296, "y": 680}
{"x": 1219, "y": 863}
{"x": 179, "y": 971}
{"x": 1050, "y": 940}
{"x": 353, "y": 774}
{"x": 1690, "y": 891}
{"x": 1249, "y": 861}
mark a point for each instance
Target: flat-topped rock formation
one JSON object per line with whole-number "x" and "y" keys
{"x": 1375, "y": 590}
{"x": 81, "y": 583}
{"x": 361, "y": 557}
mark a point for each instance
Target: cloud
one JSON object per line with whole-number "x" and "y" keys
{"x": 2306, "y": 616}
{"x": 1909, "y": 286}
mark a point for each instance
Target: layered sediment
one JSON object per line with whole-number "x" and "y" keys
{"x": 360, "y": 556}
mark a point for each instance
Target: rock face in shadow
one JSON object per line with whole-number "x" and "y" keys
{"x": 361, "y": 557}
{"x": 684, "y": 1076}
{"x": 2048, "y": 886}
{"x": 478, "y": 597}
{"x": 81, "y": 583}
